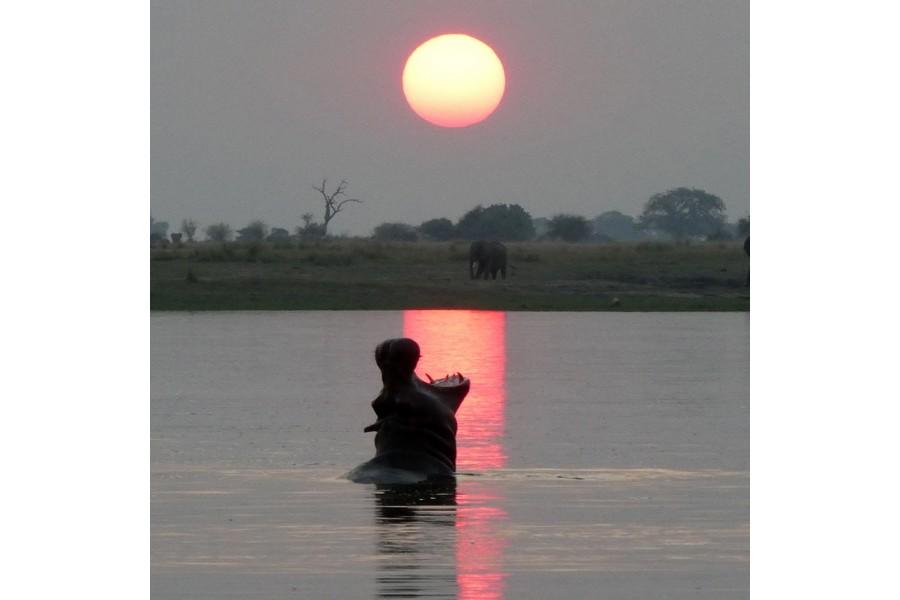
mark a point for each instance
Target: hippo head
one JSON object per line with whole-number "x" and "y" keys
{"x": 415, "y": 436}
{"x": 397, "y": 358}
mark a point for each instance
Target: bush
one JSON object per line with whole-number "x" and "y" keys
{"x": 508, "y": 222}
{"x": 310, "y": 231}
{"x": 219, "y": 232}
{"x": 395, "y": 232}
{"x": 570, "y": 228}
{"x": 279, "y": 234}
{"x": 438, "y": 229}
{"x": 254, "y": 232}
{"x": 615, "y": 226}
{"x": 159, "y": 229}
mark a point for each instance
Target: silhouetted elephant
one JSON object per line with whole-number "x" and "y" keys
{"x": 490, "y": 258}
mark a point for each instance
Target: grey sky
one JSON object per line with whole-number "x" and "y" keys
{"x": 607, "y": 103}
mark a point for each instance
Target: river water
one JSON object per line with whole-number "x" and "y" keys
{"x": 601, "y": 455}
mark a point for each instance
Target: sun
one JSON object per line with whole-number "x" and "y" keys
{"x": 453, "y": 80}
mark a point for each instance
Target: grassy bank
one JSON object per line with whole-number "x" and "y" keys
{"x": 364, "y": 274}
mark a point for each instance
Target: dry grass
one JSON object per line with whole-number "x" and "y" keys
{"x": 356, "y": 273}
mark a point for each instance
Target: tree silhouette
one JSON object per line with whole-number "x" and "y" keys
{"x": 159, "y": 230}
{"x": 219, "y": 232}
{"x": 497, "y": 221}
{"x": 684, "y": 212}
{"x": 615, "y": 225}
{"x": 254, "y": 232}
{"x": 333, "y": 201}
{"x": 570, "y": 228}
{"x": 189, "y": 228}
{"x": 438, "y": 229}
{"x": 279, "y": 234}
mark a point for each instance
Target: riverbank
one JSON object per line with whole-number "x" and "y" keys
{"x": 369, "y": 275}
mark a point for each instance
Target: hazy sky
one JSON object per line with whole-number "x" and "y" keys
{"x": 606, "y": 104}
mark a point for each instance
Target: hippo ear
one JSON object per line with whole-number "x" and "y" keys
{"x": 382, "y": 351}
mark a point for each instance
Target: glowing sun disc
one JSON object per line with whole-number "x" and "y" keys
{"x": 453, "y": 80}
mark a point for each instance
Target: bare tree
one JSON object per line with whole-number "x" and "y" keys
{"x": 333, "y": 201}
{"x": 189, "y": 228}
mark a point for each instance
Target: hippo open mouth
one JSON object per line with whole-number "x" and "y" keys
{"x": 415, "y": 437}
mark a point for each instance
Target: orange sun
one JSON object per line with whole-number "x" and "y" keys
{"x": 453, "y": 80}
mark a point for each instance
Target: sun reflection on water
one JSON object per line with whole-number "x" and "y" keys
{"x": 474, "y": 343}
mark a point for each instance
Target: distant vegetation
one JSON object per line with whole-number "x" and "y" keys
{"x": 615, "y": 226}
{"x": 254, "y": 232}
{"x": 680, "y": 253}
{"x": 507, "y": 222}
{"x": 568, "y": 228}
{"x": 684, "y": 213}
{"x": 189, "y": 228}
{"x": 158, "y": 230}
{"x": 399, "y": 232}
{"x": 219, "y": 232}
{"x": 370, "y": 274}
{"x": 681, "y": 214}
{"x": 438, "y": 229}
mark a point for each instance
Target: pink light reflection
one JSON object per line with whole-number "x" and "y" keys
{"x": 479, "y": 543}
{"x": 474, "y": 343}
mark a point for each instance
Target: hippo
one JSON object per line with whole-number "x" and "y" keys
{"x": 415, "y": 429}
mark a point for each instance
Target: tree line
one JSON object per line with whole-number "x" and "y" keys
{"x": 678, "y": 214}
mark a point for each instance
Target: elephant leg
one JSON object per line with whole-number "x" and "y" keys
{"x": 476, "y": 257}
{"x": 503, "y": 272}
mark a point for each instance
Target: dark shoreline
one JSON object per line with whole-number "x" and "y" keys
{"x": 369, "y": 275}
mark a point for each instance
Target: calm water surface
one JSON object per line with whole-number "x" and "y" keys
{"x": 600, "y": 455}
